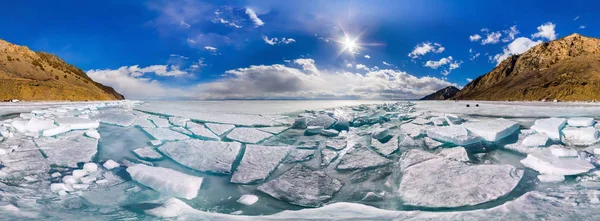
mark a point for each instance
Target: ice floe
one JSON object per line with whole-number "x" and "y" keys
{"x": 248, "y": 199}
{"x": 147, "y": 153}
{"x": 165, "y": 134}
{"x": 387, "y": 148}
{"x": 361, "y": 157}
{"x": 581, "y": 121}
{"x": 536, "y": 140}
{"x": 492, "y": 130}
{"x": 546, "y": 163}
{"x": 219, "y": 129}
{"x": 68, "y": 149}
{"x": 258, "y": 162}
{"x": 207, "y": 156}
{"x": 580, "y": 136}
{"x": 248, "y": 135}
{"x": 458, "y": 135}
{"x": 200, "y": 131}
{"x": 167, "y": 181}
{"x": 550, "y": 127}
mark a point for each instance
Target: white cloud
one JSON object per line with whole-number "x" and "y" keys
{"x": 226, "y": 22}
{"x": 518, "y": 46}
{"x": 485, "y": 30}
{"x": 474, "y": 56}
{"x": 184, "y": 24}
{"x": 510, "y": 33}
{"x": 575, "y": 19}
{"x": 349, "y": 65}
{"x": 437, "y": 64}
{"x": 275, "y": 41}
{"x": 307, "y": 65}
{"x": 129, "y": 82}
{"x": 179, "y": 56}
{"x": 546, "y": 31}
{"x": 424, "y": 48}
{"x": 469, "y": 79}
{"x": 475, "y": 37}
{"x": 387, "y": 64}
{"x": 210, "y": 48}
{"x": 252, "y": 14}
{"x": 362, "y": 67}
{"x": 492, "y": 38}
{"x": 367, "y": 56}
{"x": 582, "y": 27}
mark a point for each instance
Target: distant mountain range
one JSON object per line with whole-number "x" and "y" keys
{"x": 565, "y": 69}
{"x": 29, "y": 75}
{"x": 443, "y": 94}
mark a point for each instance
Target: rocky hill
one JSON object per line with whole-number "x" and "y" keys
{"x": 564, "y": 69}
{"x": 443, "y": 94}
{"x": 29, "y": 75}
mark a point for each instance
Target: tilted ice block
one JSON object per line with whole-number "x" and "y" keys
{"x": 200, "y": 131}
{"x": 37, "y": 125}
{"x": 386, "y": 148}
{"x": 321, "y": 120}
{"x": 167, "y": 181}
{"x": 414, "y": 130}
{"x": 219, "y": 129}
{"x": 90, "y": 167}
{"x": 248, "y": 199}
{"x": 336, "y": 144}
{"x": 421, "y": 121}
{"x": 19, "y": 125}
{"x": 550, "y": 127}
{"x": 381, "y": 133}
{"x": 361, "y": 157}
{"x": 93, "y": 134}
{"x": 330, "y": 133}
{"x": 431, "y": 143}
{"x": 165, "y": 134}
{"x": 546, "y": 163}
{"x": 147, "y": 153}
{"x": 535, "y": 140}
{"x": 456, "y": 153}
{"x": 492, "y": 130}
{"x": 258, "y": 162}
{"x": 311, "y": 130}
{"x": 299, "y": 155}
{"x": 327, "y": 156}
{"x": 544, "y": 178}
{"x": 302, "y": 186}
{"x": 437, "y": 182}
{"x": 110, "y": 164}
{"x": 77, "y": 123}
{"x": 453, "y": 119}
{"x": 248, "y": 135}
{"x": 211, "y": 156}
{"x": 171, "y": 208}
{"x": 458, "y": 135}
{"x": 560, "y": 151}
{"x": 581, "y": 121}
{"x": 56, "y": 131}
{"x": 580, "y": 136}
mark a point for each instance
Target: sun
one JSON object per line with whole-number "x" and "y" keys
{"x": 350, "y": 45}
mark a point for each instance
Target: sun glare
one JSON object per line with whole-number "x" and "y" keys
{"x": 349, "y": 44}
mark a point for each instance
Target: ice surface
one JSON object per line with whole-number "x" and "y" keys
{"x": 456, "y": 153}
{"x": 36, "y": 125}
{"x": 248, "y": 135}
{"x": 581, "y": 121}
{"x": 258, "y": 162}
{"x": 20, "y": 125}
{"x": 381, "y": 133}
{"x": 311, "y": 130}
{"x": 179, "y": 121}
{"x": 299, "y": 155}
{"x": 414, "y": 130}
{"x": 336, "y": 144}
{"x": 453, "y": 119}
{"x": 550, "y": 127}
{"x": 431, "y": 143}
{"x": 56, "y": 131}
{"x": 327, "y": 156}
{"x": 93, "y": 134}
{"x": 492, "y": 130}
{"x": 535, "y": 140}
{"x": 206, "y": 156}
{"x": 299, "y": 123}
{"x": 155, "y": 142}
{"x": 580, "y": 136}
{"x": 79, "y": 173}
{"x": 171, "y": 208}
{"x": 219, "y": 129}
{"x": 302, "y": 186}
{"x": 142, "y": 121}
{"x": 166, "y": 181}
{"x": 248, "y": 199}
{"x": 77, "y": 123}
{"x": 361, "y": 157}
{"x": 439, "y": 182}
{"x": 90, "y": 167}
{"x": 560, "y": 151}
{"x": 421, "y": 121}
{"x": 200, "y": 131}
{"x": 165, "y": 134}
{"x": 68, "y": 149}
{"x": 159, "y": 121}
{"x": 386, "y": 148}
{"x": 458, "y": 135}
{"x": 273, "y": 130}
{"x": 546, "y": 163}
{"x": 110, "y": 164}
{"x": 147, "y": 153}
{"x": 321, "y": 120}
{"x": 551, "y": 178}
{"x": 123, "y": 119}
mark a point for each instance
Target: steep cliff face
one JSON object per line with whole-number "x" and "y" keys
{"x": 563, "y": 69}
{"x": 29, "y": 75}
{"x": 442, "y": 94}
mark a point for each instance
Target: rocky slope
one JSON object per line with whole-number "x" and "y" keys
{"x": 443, "y": 94}
{"x": 564, "y": 69}
{"x": 29, "y": 75}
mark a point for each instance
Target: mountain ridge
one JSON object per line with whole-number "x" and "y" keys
{"x": 442, "y": 94}
{"x": 29, "y": 75}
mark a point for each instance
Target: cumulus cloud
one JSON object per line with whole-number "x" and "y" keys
{"x": 469, "y": 79}
{"x": 510, "y": 33}
{"x": 546, "y": 31}
{"x": 475, "y": 37}
{"x": 252, "y": 14}
{"x": 210, "y": 48}
{"x": 424, "y": 48}
{"x": 449, "y": 61}
{"x": 276, "y": 41}
{"x": 491, "y": 38}
{"x": 307, "y": 65}
{"x": 368, "y": 56}
{"x": 518, "y": 46}
{"x": 362, "y": 67}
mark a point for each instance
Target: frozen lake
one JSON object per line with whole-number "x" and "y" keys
{"x": 299, "y": 160}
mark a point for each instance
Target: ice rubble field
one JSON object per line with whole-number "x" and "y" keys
{"x": 378, "y": 161}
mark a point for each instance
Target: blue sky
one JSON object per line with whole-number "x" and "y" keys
{"x": 185, "y": 49}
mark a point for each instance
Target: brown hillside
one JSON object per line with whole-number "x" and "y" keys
{"x": 564, "y": 69}
{"x": 29, "y": 75}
